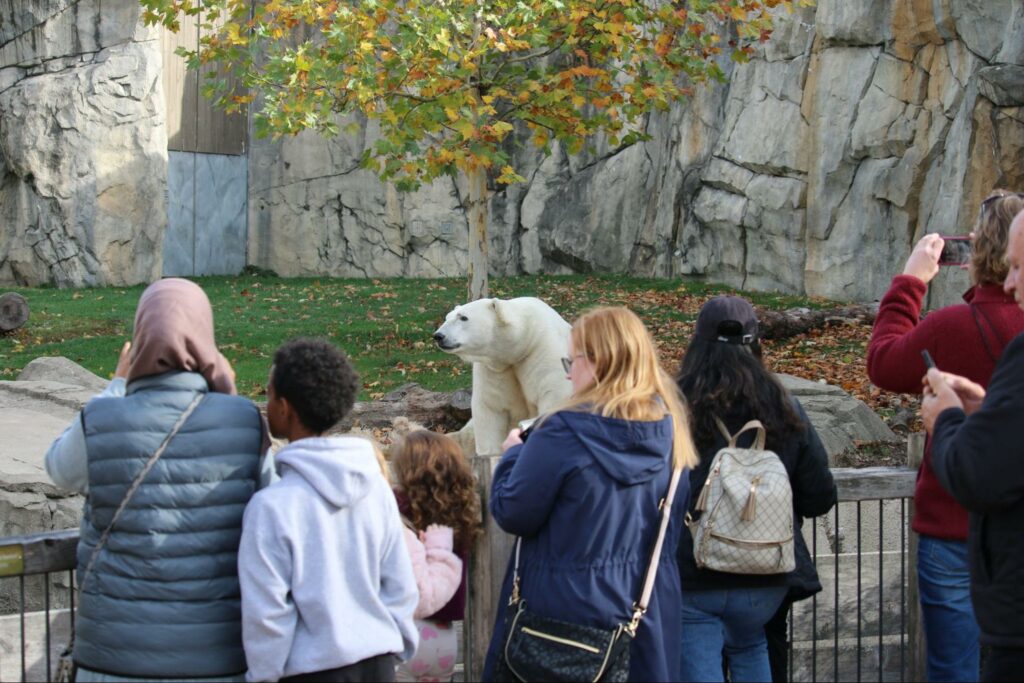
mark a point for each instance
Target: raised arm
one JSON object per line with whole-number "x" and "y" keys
{"x": 977, "y": 458}
{"x": 529, "y": 477}
{"x": 437, "y": 569}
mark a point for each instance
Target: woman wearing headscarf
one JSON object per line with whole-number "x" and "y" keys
{"x": 161, "y": 599}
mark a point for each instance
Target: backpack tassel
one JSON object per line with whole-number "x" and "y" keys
{"x": 750, "y": 509}
{"x": 702, "y": 500}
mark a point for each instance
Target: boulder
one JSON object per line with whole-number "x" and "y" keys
{"x": 840, "y": 420}
{"x": 62, "y": 370}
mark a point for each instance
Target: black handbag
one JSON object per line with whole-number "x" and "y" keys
{"x": 539, "y": 648}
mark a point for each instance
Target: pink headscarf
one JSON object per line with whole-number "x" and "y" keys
{"x": 174, "y": 331}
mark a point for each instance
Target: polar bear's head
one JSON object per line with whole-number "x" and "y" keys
{"x": 471, "y": 330}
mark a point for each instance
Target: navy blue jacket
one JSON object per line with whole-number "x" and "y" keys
{"x": 583, "y": 493}
{"x": 980, "y": 461}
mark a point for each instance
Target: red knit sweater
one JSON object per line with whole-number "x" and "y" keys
{"x": 955, "y": 342}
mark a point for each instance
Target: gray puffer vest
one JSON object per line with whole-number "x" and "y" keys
{"x": 163, "y": 598}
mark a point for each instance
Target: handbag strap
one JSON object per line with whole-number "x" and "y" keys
{"x": 135, "y": 486}
{"x": 975, "y": 310}
{"x": 640, "y": 606}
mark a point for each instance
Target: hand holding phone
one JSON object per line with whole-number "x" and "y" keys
{"x": 956, "y": 251}
{"x": 525, "y": 426}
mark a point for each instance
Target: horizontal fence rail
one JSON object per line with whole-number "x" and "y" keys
{"x": 854, "y": 621}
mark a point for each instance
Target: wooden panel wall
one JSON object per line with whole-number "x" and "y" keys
{"x": 194, "y": 124}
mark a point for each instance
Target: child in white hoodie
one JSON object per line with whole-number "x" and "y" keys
{"x": 328, "y": 591}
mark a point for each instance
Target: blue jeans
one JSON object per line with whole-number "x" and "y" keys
{"x": 731, "y": 622}
{"x": 950, "y": 630}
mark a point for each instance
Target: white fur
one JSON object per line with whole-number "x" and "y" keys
{"x": 515, "y": 346}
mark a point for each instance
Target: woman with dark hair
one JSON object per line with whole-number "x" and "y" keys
{"x": 722, "y": 377}
{"x": 964, "y": 339}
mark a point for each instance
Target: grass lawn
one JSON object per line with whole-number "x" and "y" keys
{"x": 384, "y": 325}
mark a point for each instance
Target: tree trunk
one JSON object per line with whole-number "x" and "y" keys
{"x": 477, "y": 214}
{"x": 789, "y": 323}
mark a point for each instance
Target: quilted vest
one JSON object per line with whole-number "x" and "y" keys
{"x": 163, "y": 598}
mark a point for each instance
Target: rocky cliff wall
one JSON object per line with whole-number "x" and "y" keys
{"x": 83, "y": 148}
{"x": 861, "y": 125}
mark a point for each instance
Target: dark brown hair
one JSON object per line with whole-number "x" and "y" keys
{"x": 439, "y": 485}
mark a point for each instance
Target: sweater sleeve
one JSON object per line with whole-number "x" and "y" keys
{"x": 269, "y": 617}
{"x": 814, "y": 489}
{"x": 437, "y": 569}
{"x": 898, "y": 336}
{"x": 528, "y": 478}
{"x": 66, "y": 461}
{"x": 978, "y": 458}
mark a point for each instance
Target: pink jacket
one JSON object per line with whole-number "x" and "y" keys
{"x": 437, "y": 569}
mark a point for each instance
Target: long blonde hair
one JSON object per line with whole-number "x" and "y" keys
{"x": 628, "y": 380}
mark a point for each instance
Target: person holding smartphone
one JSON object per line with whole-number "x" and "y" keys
{"x": 965, "y": 339}
{"x": 977, "y": 457}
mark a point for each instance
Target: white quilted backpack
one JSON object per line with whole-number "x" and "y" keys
{"x": 747, "y": 505}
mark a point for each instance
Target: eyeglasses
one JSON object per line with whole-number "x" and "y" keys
{"x": 567, "y": 362}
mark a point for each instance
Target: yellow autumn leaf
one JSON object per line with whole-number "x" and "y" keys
{"x": 738, "y": 13}
{"x": 465, "y": 128}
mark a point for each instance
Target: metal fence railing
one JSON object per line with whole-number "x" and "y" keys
{"x": 36, "y": 603}
{"x": 864, "y": 625}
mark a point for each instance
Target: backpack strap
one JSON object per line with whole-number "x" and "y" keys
{"x": 731, "y": 439}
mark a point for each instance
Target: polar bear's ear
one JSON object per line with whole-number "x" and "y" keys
{"x": 497, "y": 305}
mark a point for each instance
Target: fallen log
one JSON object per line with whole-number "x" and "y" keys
{"x": 794, "y": 321}
{"x": 444, "y": 411}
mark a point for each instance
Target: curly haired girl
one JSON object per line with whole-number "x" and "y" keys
{"x": 437, "y": 495}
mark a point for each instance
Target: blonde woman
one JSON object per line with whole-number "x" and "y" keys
{"x": 582, "y": 492}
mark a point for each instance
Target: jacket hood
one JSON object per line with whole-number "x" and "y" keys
{"x": 341, "y": 469}
{"x": 629, "y": 451}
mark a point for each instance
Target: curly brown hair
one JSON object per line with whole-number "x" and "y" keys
{"x": 991, "y": 230}
{"x": 432, "y": 472}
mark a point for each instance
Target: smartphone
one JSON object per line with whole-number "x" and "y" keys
{"x": 956, "y": 251}
{"x": 525, "y": 426}
{"x": 929, "y": 363}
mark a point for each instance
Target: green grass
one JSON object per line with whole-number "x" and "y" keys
{"x": 384, "y": 325}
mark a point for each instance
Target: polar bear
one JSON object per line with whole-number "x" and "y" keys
{"x": 515, "y": 346}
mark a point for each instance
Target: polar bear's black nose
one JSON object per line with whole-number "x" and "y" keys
{"x": 438, "y": 337}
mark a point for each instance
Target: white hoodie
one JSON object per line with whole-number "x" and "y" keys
{"x": 326, "y": 578}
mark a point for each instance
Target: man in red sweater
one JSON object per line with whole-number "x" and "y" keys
{"x": 978, "y": 457}
{"x": 965, "y": 339}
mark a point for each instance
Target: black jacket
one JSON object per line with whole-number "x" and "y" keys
{"x": 814, "y": 494}
{"x": 980, "y": 461}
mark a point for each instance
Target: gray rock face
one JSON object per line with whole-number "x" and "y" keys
{"x": 840, "y": 419}
{"x": 83, "y": 148}
{"x": 861, "y": 125}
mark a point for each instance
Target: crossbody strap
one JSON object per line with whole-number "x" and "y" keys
{"x": 975, "y": 310}
{"x": 135, "y": 486}
{"x": 640, "y": 606}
